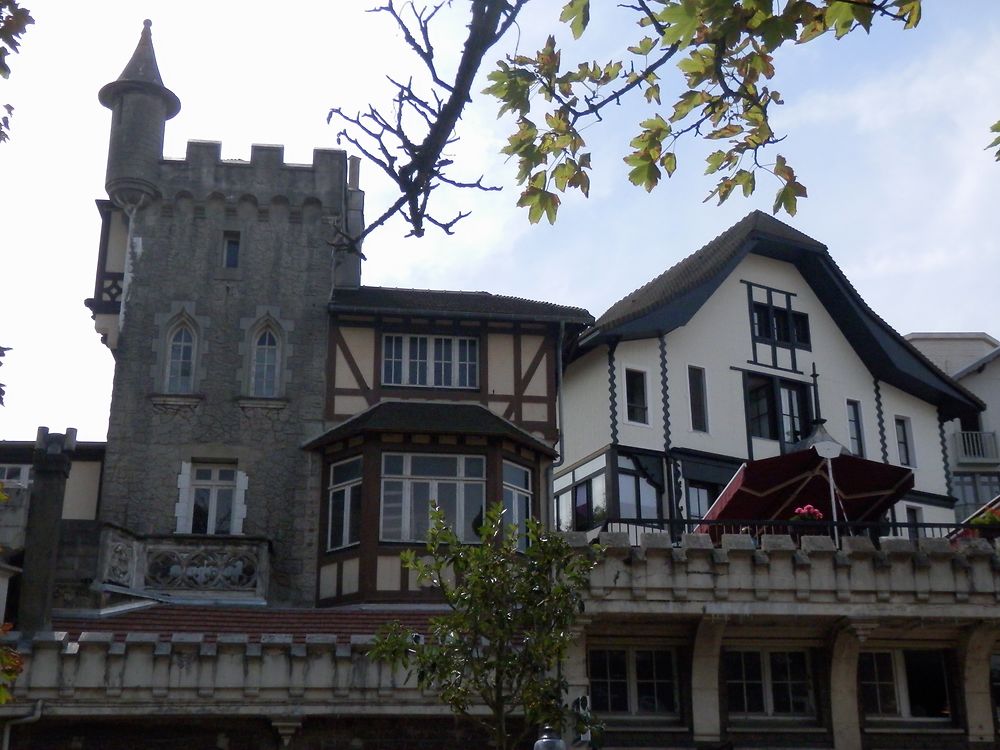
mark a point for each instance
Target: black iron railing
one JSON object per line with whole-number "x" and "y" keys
{"x": 756, "y": 529}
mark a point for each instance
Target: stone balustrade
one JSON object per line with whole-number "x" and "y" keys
{"x": 225, "y": 674}
{"x": 192, "y": 566}
{"x": 922, "y": 578}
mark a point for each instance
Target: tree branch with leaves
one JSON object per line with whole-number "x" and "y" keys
{"x": 724, "y": 49}
{"x": 510, "y": 621}
{"x": 14, "y": 22}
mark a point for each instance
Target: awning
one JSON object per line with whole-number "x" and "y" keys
{"x": 772, "y": 488}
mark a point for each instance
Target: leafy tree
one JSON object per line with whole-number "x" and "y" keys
{"x": 507, "y": 628}
{"x": 3, "y": 351}
{"x": 724, "y": 49}
{"x": 14, "y": 21}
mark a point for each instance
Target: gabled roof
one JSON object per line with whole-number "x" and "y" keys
{"x": 672, "y": 298}
{"x": 433, "y": 418}
{"x": 432, "y": 302}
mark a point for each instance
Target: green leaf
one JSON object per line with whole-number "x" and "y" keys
{"x": 839, "y": 16}
{"x": 644, "y": 47}
{"x": 681, "y": 21}
{"x": 688, "y": 101}
{"x": 669, "y": 163}
{"x": 645, "y": 175}
{"x": 714, "y": 161}
{"x": 577, "y": 14}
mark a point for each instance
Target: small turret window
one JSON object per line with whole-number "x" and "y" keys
{"x": 180, "y": 366}
{"x": 231, "y": 250}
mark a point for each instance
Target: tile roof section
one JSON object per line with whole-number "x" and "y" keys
{"x": 428, "y": 302}
{"x": 430, "y": 417}
{"x": 167, "y": 619}
{"x": 701, "y": 266}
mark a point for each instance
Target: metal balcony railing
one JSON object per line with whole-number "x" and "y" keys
{"x": 755, "y": 529}
{"x": 976, "y": 448}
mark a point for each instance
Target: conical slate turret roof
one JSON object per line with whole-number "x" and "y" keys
{"x": 141, "y": 73}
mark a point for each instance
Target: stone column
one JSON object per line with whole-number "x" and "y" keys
{"x": 52, "y": 459}
{"x": 844, "y": 690}
{"x": 974, "y": 651}
{"x": 706, "y": 713}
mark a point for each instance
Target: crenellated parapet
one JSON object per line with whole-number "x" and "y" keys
{"x": 225, "y": 674}
{"x": 926, "y": 578}
{"x": 204, "y": 177}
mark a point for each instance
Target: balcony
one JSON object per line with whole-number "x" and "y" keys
{"x": 171, "y": 567}
{"x": 976, "y": 448}
{"x": 672, "y": 531}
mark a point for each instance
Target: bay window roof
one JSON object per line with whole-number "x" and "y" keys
{"x": 430, "y": 418}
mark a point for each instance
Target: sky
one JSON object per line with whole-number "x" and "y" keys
{"x": 886, "y": 131}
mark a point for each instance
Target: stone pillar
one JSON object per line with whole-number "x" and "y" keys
{"x": 52, "y": 459}
{"x": 974, "y": 651}
{"x": 844, "y": 690}
{"x": 705, "y": 662}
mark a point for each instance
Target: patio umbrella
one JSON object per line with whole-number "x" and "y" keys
{"x": 842, "y": 486}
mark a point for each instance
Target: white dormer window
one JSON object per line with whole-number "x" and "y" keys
{"x": 430, "y": 361}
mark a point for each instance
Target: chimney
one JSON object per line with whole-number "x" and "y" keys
{"x": 51, "y": 462}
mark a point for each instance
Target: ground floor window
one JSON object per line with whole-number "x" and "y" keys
{"x": 904, "y": 684}
{"x": 640, "y": 484}
{"x": 700, "y": 497}
{"x": 768, "y": 683}
{"x": 413, "y": 483}
{"x": 632, "y": 681}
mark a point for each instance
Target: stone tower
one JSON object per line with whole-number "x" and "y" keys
{"x": 213, "y": 282}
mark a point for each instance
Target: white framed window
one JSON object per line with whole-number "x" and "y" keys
{"x": 344, "y": 504}
{"x": 904, "y": 684}
{"x": 412, "y": 483}
{"x": 264, "y": 367}
{"x": 181, "y": 345}
{"x": 632, "y": 681}
{"x": 517, "y": 499}
{"x": 768, "y": 683}
{"x": 904, "y": 441}
{"x": 211, "y": 499}
{"x": 430, "y": 361}
{"x": 636, "y": 402}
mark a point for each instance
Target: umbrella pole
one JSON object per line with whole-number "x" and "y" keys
{"x": 833, "y": 501}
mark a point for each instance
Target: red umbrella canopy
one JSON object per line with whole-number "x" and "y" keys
{"x": 772, "y": 488}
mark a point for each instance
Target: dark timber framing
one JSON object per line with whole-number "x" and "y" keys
{"x": 880, "y": 416}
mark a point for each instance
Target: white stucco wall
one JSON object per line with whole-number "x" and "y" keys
{"x": 586, "y": 425}
{"x": 82, "y": 486}
{"x": 643, "y": 356}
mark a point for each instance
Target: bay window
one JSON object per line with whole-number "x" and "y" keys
{"x": 517, "y": 499}
{"x": 413, "y": 483}
{"x": 344, "y": 504}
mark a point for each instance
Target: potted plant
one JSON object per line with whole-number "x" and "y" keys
{"x": 987, "y": 524}
{"x": 808, "y": 512}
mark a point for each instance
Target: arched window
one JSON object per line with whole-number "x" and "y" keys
{"x": 264, "y": 380}
{"x": 180, "y": 363}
